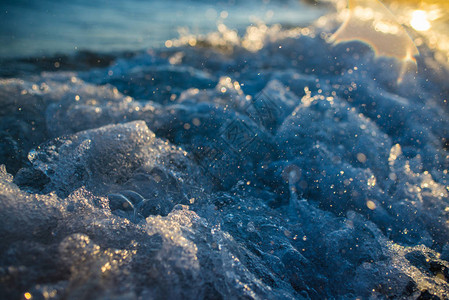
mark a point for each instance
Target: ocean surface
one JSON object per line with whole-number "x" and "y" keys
{"x": 45, "y": 27}
{"x": 224, "y": 150}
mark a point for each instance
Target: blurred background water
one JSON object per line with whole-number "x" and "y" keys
{"x": 46, "y": 27}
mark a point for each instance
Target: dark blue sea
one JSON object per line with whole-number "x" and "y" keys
{"x": 224, "y": 149}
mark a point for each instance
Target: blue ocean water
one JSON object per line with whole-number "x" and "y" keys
{"x": 249, "y": 159}
{"x": 45, "y": 27}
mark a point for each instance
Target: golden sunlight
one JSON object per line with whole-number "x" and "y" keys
{"x": 369, "y": 21}
{"x": 420, "y": 20}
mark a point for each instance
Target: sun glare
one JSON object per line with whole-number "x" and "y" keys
{"x": 370, "y": 22}
{"x": 420, "y": 20}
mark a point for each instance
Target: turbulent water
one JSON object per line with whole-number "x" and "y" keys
{"x": 267, "y": 164}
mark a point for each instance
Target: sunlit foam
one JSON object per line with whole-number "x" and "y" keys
{"x": 369, "y": 21}
{"x": 420, "y": 21}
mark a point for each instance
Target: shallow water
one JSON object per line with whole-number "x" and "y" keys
{"x": 263, "y": 163}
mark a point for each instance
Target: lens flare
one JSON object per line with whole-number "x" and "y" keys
{"x": 369, "y": 21}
